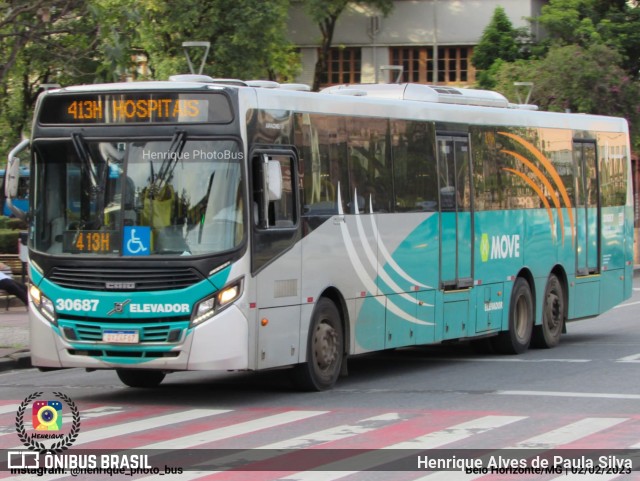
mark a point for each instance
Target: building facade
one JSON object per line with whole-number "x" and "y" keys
{"x": 432, "y": 40}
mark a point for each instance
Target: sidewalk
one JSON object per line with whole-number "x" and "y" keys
{"x": 14, "y": 334}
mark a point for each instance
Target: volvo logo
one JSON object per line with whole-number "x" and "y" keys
{"x": 120, "y": 285}
{"x": 118, "y": 307}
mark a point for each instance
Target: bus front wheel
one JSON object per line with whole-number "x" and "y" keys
{"x": 517, "y": 339}
{"x": 140, "y": 377}
{"x": 547, "y": 335}
{"x": 325, "y": 347}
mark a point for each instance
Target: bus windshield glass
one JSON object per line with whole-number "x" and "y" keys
{"x": 176, "y": 196}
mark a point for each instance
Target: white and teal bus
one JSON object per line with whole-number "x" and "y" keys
{"x": 201, "y": 224}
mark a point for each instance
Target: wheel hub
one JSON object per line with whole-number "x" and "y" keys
{"x": 325, "y": 345}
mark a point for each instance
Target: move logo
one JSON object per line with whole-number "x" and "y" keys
{"x": 500, "y": 247}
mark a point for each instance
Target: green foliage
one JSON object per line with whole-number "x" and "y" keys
{"x": 248, "y": 38}
{"x": 584, "y": 80}
{"x": 9, "y": 241}
{"x": 76, "y": 42}
{"x": 615, "y": 23}
{"x": 500, "y": 42}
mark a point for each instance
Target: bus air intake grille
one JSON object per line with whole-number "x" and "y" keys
{"x": 119, "y": 279}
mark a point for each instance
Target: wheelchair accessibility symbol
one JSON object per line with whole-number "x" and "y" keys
{"x": 137, "y": 241}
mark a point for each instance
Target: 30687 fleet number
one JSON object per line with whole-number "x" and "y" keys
{"x": 85, "y": 305}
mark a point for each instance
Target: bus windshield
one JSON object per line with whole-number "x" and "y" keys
{"x": 174, "y": 196}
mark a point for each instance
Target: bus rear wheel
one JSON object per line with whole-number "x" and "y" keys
{"x": 547, "y": 335}
{"x": 325, "y": 347}
{"x": 517, "y": 339}
{"x": 140, "y": 377}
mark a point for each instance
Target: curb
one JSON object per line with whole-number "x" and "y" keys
{"x": 16, "y": 360}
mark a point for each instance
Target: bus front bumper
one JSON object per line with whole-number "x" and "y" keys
{"x": 220, "y": 343}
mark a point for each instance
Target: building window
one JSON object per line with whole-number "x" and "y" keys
{"x": 454, "y": 66}
{"x": 343, "y": 66}
{"x": 416, "y": 62}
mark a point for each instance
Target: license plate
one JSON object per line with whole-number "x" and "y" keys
{"x": 121, "y": 336}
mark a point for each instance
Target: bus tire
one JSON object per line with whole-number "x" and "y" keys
{"x": 517, "y": 339}
{"x": 325, "y": 348}
{"x": 140, "y": 377}
{"x": 547, "y": 335}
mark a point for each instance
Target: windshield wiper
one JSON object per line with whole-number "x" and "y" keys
{"x": 85, "y": 159}
{"x": 96, "y": 180}
{"x": 171, "y": 159}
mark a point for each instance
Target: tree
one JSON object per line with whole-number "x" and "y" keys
{"x": 42, "y": 41}
{"x": 75, "y": 41}
{"x": 326, "y": 13}
{"x": 500, "y": 42}
{"x": 579, "y": 79}
{"x": 248, "y": 37}
{"x": 615, "y": 23}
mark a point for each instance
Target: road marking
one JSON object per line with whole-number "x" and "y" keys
{"x": 428, "y": 441}
{"x": 603, "y": 395}
{"x": 8, "y": 408}
{"x": 568, "y": 434}
{"x": 505, "y": 359}
{"x": 336, "y": 433}
{"x": 557, "y": 437}
{"x": 632, "y": 358}
{"x": 86, "y": 437}
{"x": 199, "y": 438}
{"x": 247, "y": 427}
{"x": 67, "y": 418}
{"x": 627, "y": 304}
{"x": 307, "y": 441}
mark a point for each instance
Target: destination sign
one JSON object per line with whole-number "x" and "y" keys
{"x": 136, "y": 107}
{"x": 90, "y": 242}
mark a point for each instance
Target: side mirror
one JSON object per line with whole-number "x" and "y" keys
{"x": 274, "y": 180}
{"x": 12, "y": 178}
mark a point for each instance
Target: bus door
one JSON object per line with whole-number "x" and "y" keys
{"x": 456, "y": 225}
{"x": 276, "y": 255}
{"x": 587, "y": 209}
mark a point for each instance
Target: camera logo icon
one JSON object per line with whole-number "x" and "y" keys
{"x": 47, "y": 415}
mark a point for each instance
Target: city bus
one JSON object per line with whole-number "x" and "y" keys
{"x": 223, "y": 225}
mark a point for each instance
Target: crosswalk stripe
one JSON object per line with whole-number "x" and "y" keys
{"x": 247, "y": 427}
{"x": 569, "y": 433}
{"x": 391, "y": 422}
{"x": 428, "y": 441}
{"x": 85, "y": 414}
{"x": 143, "y": 425}
{"x": 217, "y": 435}
{"x": 8, "y": 408}
{"x": 457, "y": 432}
{"x": 336, "y": 433}
{"x": 313, "y": 439}
{"x": 549, "y": 440}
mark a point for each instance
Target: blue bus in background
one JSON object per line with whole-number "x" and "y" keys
{"x": 22, "y": 200}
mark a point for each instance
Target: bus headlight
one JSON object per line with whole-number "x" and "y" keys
{"x": 209, "y": 307}
{"x": 43, "y": 304}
